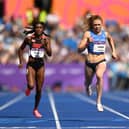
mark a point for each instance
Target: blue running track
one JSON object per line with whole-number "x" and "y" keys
{"x": 64, "y": 111}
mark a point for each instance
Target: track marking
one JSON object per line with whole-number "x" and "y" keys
{"x": 16, "y": 127}
{"x": 104, "y": 127}
{"x": 117, "y": 98}
{"x": 11, "y": 102}
{"x": 87, "y": 127}
{"x": 81, "y": 97}
{"x": 52, "y": 103}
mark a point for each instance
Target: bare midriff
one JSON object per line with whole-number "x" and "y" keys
{"x": 93, "y": 58}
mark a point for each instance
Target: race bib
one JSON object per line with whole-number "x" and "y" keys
{"x": 99, "y": 48}
{"x": 37, "y": 53}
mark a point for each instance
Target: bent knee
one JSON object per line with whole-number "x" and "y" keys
{"x": 100, "y": 78}
{"x": 30, "y": 86}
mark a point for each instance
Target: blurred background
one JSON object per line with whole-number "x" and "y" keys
{"x": 65, "y": 23}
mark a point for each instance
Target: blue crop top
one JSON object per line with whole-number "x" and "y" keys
{"x": 98, "y": 43}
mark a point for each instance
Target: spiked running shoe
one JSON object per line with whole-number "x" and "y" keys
{"x": 37, "y": 114}
{"x": 27, "y": 92}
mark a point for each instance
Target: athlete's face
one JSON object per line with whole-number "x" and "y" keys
{"x": 97, "y": 25}
{"x": 39, "y": 29}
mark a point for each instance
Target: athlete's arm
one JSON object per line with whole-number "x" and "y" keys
{"x": 112, "y": 46}
{"x": 47, "y": 46}
{"x": 21, "y": 51}
{"x": 83, "y": 43}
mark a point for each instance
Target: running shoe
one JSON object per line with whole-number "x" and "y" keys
{"x": 36, "y": 113}
{"x": 27, "y": 92}
{"x": 100, "y": 107}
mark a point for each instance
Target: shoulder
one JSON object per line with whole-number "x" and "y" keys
{"x": 87, "y": 34}
{"x": 107, "y": 34}
{"x": 103, "y": 31}
{"x": 28, "y": 37}
{"x": 45, "y": 36}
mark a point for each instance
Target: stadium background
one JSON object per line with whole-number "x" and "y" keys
{"x": 64, "y": 20}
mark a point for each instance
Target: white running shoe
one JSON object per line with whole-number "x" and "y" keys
{"x": 100, "y": 107}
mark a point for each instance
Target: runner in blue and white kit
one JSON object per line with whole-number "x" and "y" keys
{"x": 94, "y": 39}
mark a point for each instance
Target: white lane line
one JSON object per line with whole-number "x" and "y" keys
{"x": 11, "y": 102}
{"x": 81, "y": 97}
{"x": 52, "y": 103}
{"x": 16, "y": 127}
{"x": 117, "y": 98}
{"x": 87, "y": 127}
{"x": 104, "y": 127}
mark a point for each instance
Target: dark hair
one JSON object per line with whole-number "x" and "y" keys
{"x": 91, "y": 20}
{"x": 30, "y": 29}
{"x": 38, "y": 22}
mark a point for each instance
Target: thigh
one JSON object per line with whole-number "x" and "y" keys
{"x": 100, "y": 69}
{"x": 30, "y": 75}
{"x": 40, "y": 78}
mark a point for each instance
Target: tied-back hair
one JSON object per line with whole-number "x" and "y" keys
{"x": 38, "y": 22}
{"x": 31, "y": 28}
{"x": 89, "y": 21}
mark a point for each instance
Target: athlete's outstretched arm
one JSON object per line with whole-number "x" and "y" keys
{"x": 83, "y": 42}
{"x": 112, "y": 46}
{"x": 21, "y": 51}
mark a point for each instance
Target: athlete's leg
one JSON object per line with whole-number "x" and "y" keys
{"x": 89, "y": 73}
{"x": 39, "y": 85}
{"x": 30, "y": 76}
{"x": 100, "y": 69}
